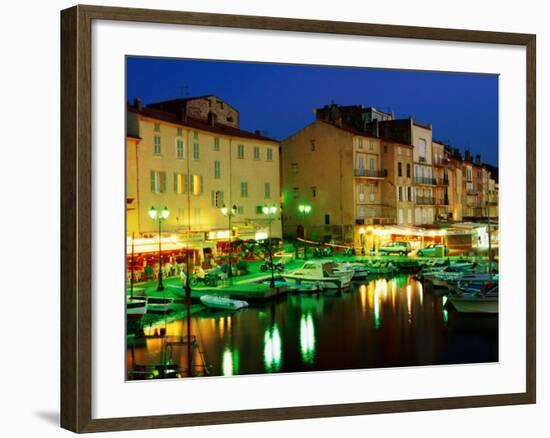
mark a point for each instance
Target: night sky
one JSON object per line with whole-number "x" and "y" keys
{"x": 279, "y": 99}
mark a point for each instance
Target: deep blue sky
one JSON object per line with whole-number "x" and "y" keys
{"x": 279, "y": 99}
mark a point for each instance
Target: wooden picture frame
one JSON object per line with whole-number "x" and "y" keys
{"x": 76, "y": 226}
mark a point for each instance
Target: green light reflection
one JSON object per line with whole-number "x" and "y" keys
{"x": 307, "y": 339}
{"x": 272, "y": 349}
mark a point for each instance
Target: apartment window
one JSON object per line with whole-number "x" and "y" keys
{"x": 400, "y": 216}
{"x": 399, "y": 169}
{"x": 158, "y": 181}
{"x": 197, "y": 184}
{"x": 361, "y": 192}
{"x": 216, "y": 143}
{"x": 244, "y": 189}
{"x": 240, "y": 210}
{"x": 196, "y": 135}
{"x": 408, "y": 170}
{"x": 269, "y": 154}
{"x": 296, "y": 192}
{"x": 256, "y": 152}
{"x": 217, "y": 169}
{"x": 196, "y": 151}
{"x": 311, "y": 146}
{"x": 372, "y": 192}
{"x": 360, "y": 143}
{"x": 294, "y": 168}
{"x": 400, "y": 193}
{"x": 156, "y": 127}
{"x": 217, "y": 199}
{"x": 240, "y": 151}
{"x": 314, "y": 192}
{"x": 180, "y": 183}
{"x": 267, "y": 190}
{"x": 371, "y": 145}
{"x": 409, "y": 193}
{"x": 327, "y": 219}
{"x": 156, "y": 140}
{"x": 422, "y": 149}
{"x": 179, "y": 132}
{"x": 180, "y": 150}
{"x": 361, "y": 213}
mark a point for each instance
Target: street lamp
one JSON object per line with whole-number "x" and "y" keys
{"x": 270, "y": 211}
{"x": 362, "y": 232}
{"x": 229, "y": 213}
{"x": 304, "y": 210}
{"x": 159, "y": 217}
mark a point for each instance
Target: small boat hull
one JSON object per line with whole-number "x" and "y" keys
{"x": 475, "y": 305}
{"x": 223, "y": 303}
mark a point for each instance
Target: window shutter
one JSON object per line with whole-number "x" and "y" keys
{"x": 175, "y": 182}
{"x": 213, "y": 198}
{"x": 163, "y": 182}
{"x": 221, "y": 199}
{"x": 186, "y": 183}
{"x": 192, "y": 185}
{"x": 201, "y": 184}
{"x": 152, "y": 181}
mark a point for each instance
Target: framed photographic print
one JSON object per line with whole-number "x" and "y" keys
{"x": 267, "y": 218}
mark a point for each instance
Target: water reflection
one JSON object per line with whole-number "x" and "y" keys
{"x": 272, "y": 349}
{"x": 369, "y": 325}
{"x": 307, "y": 339}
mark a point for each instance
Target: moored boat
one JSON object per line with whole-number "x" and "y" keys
{"x": 219, "y": 302}
{"x": 485, "y": 301}
{"x": 324, "y": 272}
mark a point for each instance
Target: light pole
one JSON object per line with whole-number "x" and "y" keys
{"x": 362, "y": 239}
{"x": 304, "y": 210}
{"x": 159, "y": 217}
{"x": 229, "y": 213}
{"x": 270, "y": 211}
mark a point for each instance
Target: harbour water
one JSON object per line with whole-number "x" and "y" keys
{"x": 377, "y": 323}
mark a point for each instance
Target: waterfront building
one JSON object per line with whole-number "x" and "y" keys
{"x": 353, "y": 181}
{"x": 441, "y": 167}
{"x": 194, "y": 166}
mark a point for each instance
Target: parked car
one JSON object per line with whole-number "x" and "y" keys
{"x": 401, "y": 248}
{"x": 434, "y": 250}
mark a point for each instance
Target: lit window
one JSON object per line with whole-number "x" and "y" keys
{"x": 180, "y": 183}
{"x": 197, "y": 183}
{"x": 158, "y": 181}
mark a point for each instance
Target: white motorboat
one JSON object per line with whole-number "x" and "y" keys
{"x": 325, "y": 272}
{"x": 219, "y": 302}
{"x": 485, "y": 301}
{"x": 135, "y": 307}
{"x": 360, "y": 272}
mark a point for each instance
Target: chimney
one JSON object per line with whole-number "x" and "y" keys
{"x": 375, "y": 128}
{"x": 478, "y": 159}
{"x": 183, "y": 113}
{"x": 257, "y": 132}
{"x": 468, "y": 155}
{"x": 137, "y": 103}
{"x": 211, "y": 118}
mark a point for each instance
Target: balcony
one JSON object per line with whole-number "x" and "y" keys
{"x": 422, "y": 180}
{"x": 377, "y": 215}
{"x": 440, "y": 162}
{"x": 424, "y": 200}
{"x": 442, "y": 181}
{"x": 371, "y": 173}
{"x": 442, "y": 202}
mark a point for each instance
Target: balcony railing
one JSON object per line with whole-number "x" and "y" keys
{"x": 440, "y": 161}
{"x": 424, "y": 200}
{"x": 442, "y": 201}
{"x": 442, "y": 181}
{"x": 371, "y": 173}
{"x": 424, "y": 180}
